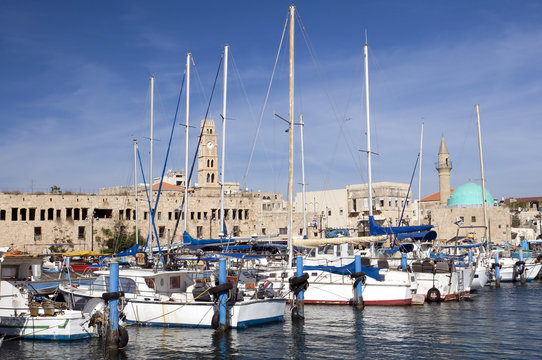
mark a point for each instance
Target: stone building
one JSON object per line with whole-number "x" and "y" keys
{"x": 35, "y": 222}
{"x": 349, "y": 208}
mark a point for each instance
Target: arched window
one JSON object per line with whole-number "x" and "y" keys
{"x": 212, "y": 178}
{"x": 212, "y": 163}
{"x": 208, "y": 177}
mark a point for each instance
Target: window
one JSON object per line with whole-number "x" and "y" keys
{"x": 473, "y": 219}
{"x": 23, "y": 214}
{"x": 76, "y": 214}
{"x": 340, "y": 211}
{"x": 37, "y": 233}
{"x": 283, "y": 231}
{"x": 3, "y": 215}
{"x": 31, "y": 214}
{"x": 354, "y": 207}
{"x": 14, "y": 213}
{"x": 161, "y": 231}
{"x": 199, "y": 232}
{"x": 175, "y": 282}
{"x": 381, "y": 202}
{"x": 58, "y": 214}
{"x": 50, "y": 213}
{"x": 329, "y": 213}
{"x": 81, "y": 232}
{"x": 145, "y": 215}
{"x": 263, "y": 231}
{"x": 68, "y": 213}
{"x": 159, "y": 215}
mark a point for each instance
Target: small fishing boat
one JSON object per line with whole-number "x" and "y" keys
{"x": 27, "y": 316}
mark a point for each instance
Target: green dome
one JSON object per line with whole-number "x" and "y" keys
{"x": 469, "y": 194}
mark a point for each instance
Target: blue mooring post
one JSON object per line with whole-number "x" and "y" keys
{"x": 222, "y": 278}
{"x": 404, "y": 263}
{"x": 497, "y": 271}
{"x": 300, "y": 302}
{"x": 522, "y": 276}
{"x": 470, "y": 257}
{"x": 113, "y": 329}
{"x": 358, "y": 298}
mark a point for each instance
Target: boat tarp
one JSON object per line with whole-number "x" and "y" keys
{"x": 375, "y": 229}
{"x": 419, "y": 235}
{"x": 404, "y": 248}
{"x": 345, "y": 270}
{"x": 189, "y": 240}
{"x": 82, "y": 253}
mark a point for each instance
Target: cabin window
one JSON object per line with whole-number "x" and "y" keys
{"x": 127, "y": 285}
{"x": 10, "y": 271}
{"x": 149, "y": 282}
{"x": 175, "y": 282}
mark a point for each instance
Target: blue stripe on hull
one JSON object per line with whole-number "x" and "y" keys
{"x": 241, "y": 325}
{"x": 52, "y": 337}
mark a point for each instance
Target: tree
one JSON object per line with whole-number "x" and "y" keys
{"x": 118, "y": 239}
{"x": 55, "y": 190}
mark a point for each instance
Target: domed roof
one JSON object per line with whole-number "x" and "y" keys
{"x": 469, "y": 194}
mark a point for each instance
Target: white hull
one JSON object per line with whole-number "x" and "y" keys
{"x": 450, "y": 285}
{"x": 200, "y": 314}
{"x": 329, "y": 288}
{"x": 481, "y": 277}
{"x": 507, "y": 272}
{"x": 69, "y": 325}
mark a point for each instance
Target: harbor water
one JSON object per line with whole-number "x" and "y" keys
{"x": 504, "y": 323}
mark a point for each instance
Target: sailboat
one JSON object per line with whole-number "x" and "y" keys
{"x": 329, "y": 279}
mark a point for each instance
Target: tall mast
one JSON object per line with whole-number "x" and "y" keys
{"x": 291, "y": 138}
{"x": 488, "y": 237}
{"x": 420, "y": 179}
{"x": 369, "y": 173}
{"x": 150, "y": 169}
{"x": 226, "y": 48}
{"x": 302, "y": 125}
{"x": 186, "y": 184}
{"x": 135, "y": 191}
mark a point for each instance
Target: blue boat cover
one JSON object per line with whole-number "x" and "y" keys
{"x": 345, "y": 270}
{"x": 404, "y": 248}
{"x": 375, "y": 229}
{"x": 420, "y": 235}
{"x": 189, "y": 240}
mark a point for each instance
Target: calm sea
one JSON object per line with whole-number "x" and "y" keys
{"x": 503, "y": 323}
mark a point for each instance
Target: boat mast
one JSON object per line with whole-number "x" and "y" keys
{"x": 291, "y": 138}
{"x": 188, "y": 56}
{"x": 368, "y": 123}
{"x": 301, "y": 126}
{"x": 226, "y": 48}
{"x": 150, "y": 170}
{"x": 135, "y": 191}
{"x": 488, "y": 237}
{"x": 420, "y": 179}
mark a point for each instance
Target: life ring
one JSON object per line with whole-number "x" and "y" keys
{"x": 433, "y": 295}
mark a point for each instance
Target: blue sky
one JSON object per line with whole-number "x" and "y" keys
{"x": 75, "y": 90}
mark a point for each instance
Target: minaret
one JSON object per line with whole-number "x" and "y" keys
{"x": 208, "y": 157}
{"x": 444, "y": 166}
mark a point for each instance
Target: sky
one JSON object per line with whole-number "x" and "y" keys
{"x": 75, "y": 91}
